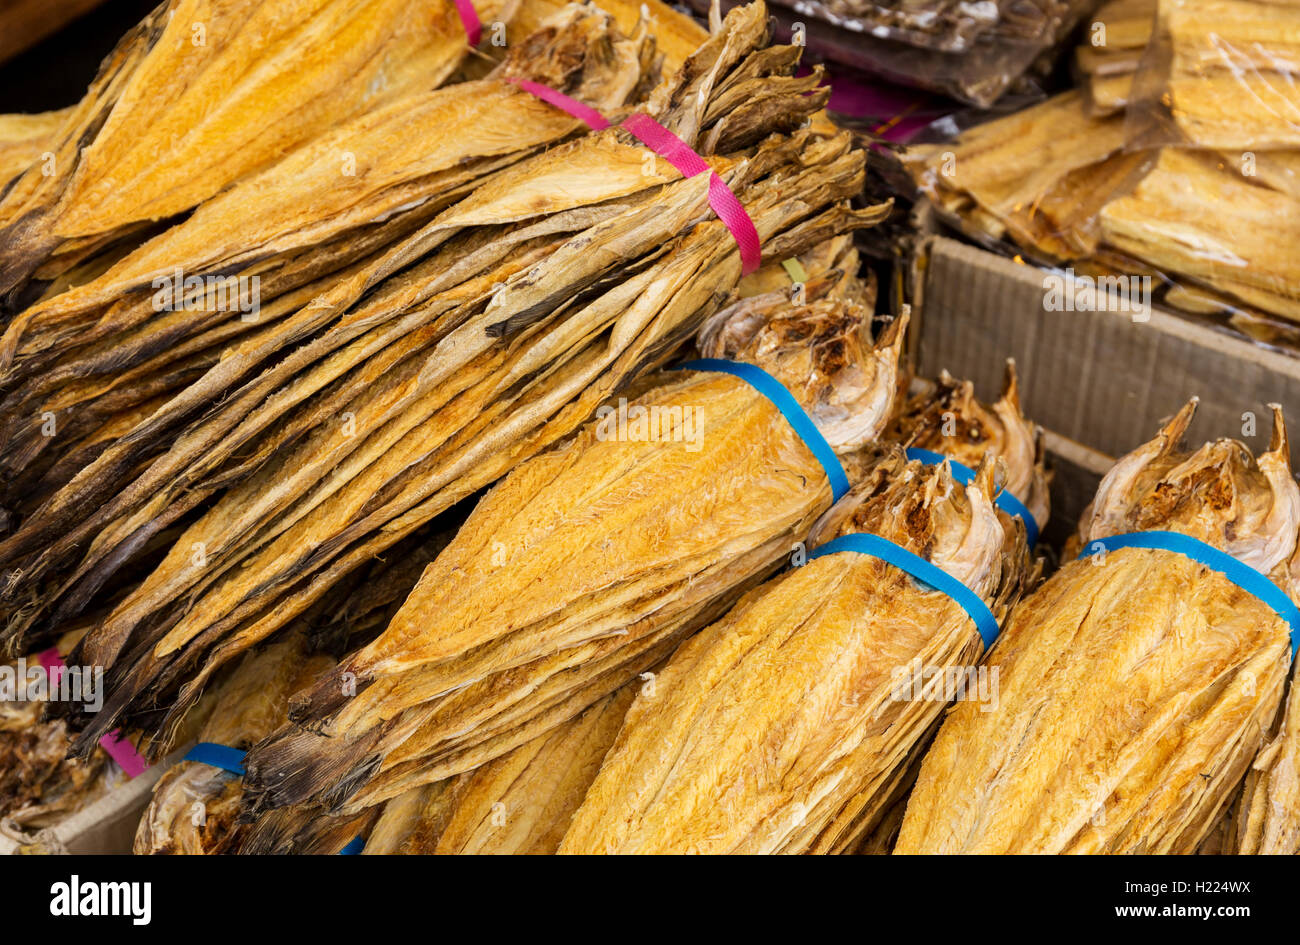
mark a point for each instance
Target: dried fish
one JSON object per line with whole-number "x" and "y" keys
{"x": 1135, "y": 688}
{"x": 501, "y": 339}
{"x": 1268, "y": 821}
{"x": 587, "y": 563}
{"x": 201, "y": 94}
{"x": 520, "y": 803}
{"x": 194, "y": 805}
{"x": 783, "y": 726}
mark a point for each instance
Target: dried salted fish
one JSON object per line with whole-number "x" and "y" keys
{"x": 783, "y": 726}
{"x": 201, "y": 94}
{"x": 497, "y": 333}
{"x": 520, "y": 803}
{"x": 194, "y": 805}
{"x": 1268, "y": 821}
{"x": 1195, "y": 215}
{"x": 575, "y": 572}
{"x": 1135, "y": 688}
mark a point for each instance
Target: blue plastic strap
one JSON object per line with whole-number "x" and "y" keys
{"x": 784, "y": 401}
{"x": 218, "y": 756}
{"x": 232, "y": 760}
{"x": 928, "y": 574}
{"x": 1239, "y": 573}
{"x": 965, "y": 475}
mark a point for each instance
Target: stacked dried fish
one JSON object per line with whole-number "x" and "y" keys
{"x": 1116, "y": 38}
{"x": 194, "y": 805}
{"x": 501, "y": 326}
{"x": 199, "y": 95}
{"x": 96, "y": 360}
{"x": 1268, "y": 821}
{"x": 578, "y": 52}
{"x": 1228, "y": 76}
{"x": 1058, "y": 183}
{"x": 782, "y": 727}
{"x": 1135, "y": 688}
{"x": 520, "y": 803}
{"x": 588, "y": 564}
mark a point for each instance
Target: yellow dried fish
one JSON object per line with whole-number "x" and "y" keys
{"x": 782, "y": 727}
{"x": 585, "y": 556}
{"x": 1135, "y": 688}
{"x": 1268, "y": 821}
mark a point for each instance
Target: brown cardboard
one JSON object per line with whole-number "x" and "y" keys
{"x": 1100, "y": 379}
{"x": 105, "y": 827}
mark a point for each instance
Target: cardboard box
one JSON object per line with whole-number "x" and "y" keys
{"x": 105, "y": 827}
{"x": 1101, "y": 381}
{"x": 1098, "y": 378}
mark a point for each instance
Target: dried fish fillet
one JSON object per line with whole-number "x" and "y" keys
{"x": 202, "y": 93}
{"x": 24, "y": 138}
{"x": 1135, "y": 688}
{"x": 520, "y": 803}
{"x": 687, "y": 518}
{"x": 781, "y": 727}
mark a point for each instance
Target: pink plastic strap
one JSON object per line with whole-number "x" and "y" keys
{"x": 469, "y": 19}
{"x": 117, "y": 747}
{"x": 561, "y": 101}
{"x": 724, "y": 203}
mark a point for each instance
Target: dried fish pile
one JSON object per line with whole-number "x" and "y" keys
{"x": 199, "y": 95}
{"x": 520, "y": 803}
{"x": 501, "y": 325}
{"x": 783, "y": 727}
{"x": 1136, "y": 688}
{"x": 194, "y": 805}
{"x": 1059, "y": 183}
{"x": 96, "y": 360}
{"x": 1117, "y": 35}
{"x": 1268, "y": 821}
{"x": 588, "y": 564}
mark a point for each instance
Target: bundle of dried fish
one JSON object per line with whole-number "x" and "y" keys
{"x": 1228, "y": 74}
{"x": 1116, "y": 38}
{"x": 199, "y": 95}
{"x": 1268, "y": 821}
{"x": 163, "y": 315}
{"x": 520, "y": 803}
{"x": 1195, "y": 214}
{"x": 194, "y": 805}
{"x": 588, "y": 564}
{"x": 676, "y": 34}
{"x": 783, "y": 726}
{"x": 494, "y": 337}
{"x": 1136, "y": 686}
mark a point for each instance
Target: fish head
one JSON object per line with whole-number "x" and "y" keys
{"x": 924, "y": 509}
{"x": 1220, "y": 494}
{"x": 821, "y": 351}
{"x": 952, "y": 421}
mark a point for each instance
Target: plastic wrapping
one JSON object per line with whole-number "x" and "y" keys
{"x": 1220, "y": 74}
{"x": 972, "y": 50}
{"x": 1111, "y": 52}
{"x": 1216, "y": 228}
